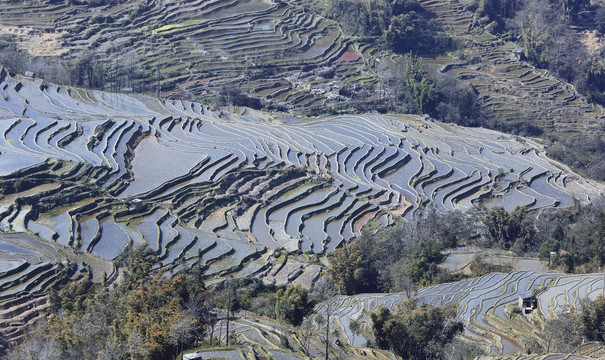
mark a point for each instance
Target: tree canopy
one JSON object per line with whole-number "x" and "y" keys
{"x": 293, "y": 304}
{"x": 513, "y": 230}
{"x": 415, "y": 332}
{"x": 349, "y": 269}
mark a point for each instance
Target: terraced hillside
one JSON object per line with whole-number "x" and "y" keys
{"x": 481, "y": 305}
{"x": 285, "y": 55}
{"x": 95, "y": 172}
{"x": 584, "y": 352}
{"x": 26, "y": 271}
{"x": 256, "y": 183}
{"x": 265, "y": 338}
{"x": 192, "y": 48}
{"x": 29, "y": 267}
{"x": 511, "y": 91}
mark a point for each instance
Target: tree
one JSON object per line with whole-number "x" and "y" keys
{"x": 523, "y": 226}
{"x": 399, "y": 7}
{"x": 497, "y": 221}
{"x": 598, "y": 239}
{"x": 593, "y": 319}
{"x": 181, "y": 330}
{"x": 136, "y": 344}
{"x": 321, "y": 321}
{"x": 455, "y": 102}
{"x": 549, "y": 246}
{"x": 151, "y": 309}
{"x": 539, "y": 23}
{"x": 200, "y": 311}
{"x": 138, "y": 260}
{"x": 348, "y": 269}
{"x": 233, "y": 95}
{"x": 564, "y": 333}
{"x": 359, "y": 18}
{"x": 418, "y": 83}
{"x": 307, "y": 331}
{"x": 415, "y": 332}
{"x": 36, "y": 347}
{"x": 140, "y": 317}
{"x": 414, "y": 31}
{"x": 400, "y": 282}
{"x": 573, "y": 7}
{"x": 422, "y": 268}
{"x": 229, "y": 297}
{"x": 293, "y": 305}
{"x": 355, "y": 327}
{"x": 507, "y": 230}
{"x": 379, "y": 327}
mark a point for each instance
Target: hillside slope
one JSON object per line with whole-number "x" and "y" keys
{"x": 73, "y": 161}
{"x": 481, "y": 304}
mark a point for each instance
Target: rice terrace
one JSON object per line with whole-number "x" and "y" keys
{"x": 247, "y": 179}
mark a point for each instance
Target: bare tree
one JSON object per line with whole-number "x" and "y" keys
{"x": 181, "y": 331}
{"x": 37, "y": 347}
{"x": 136, "y": 343}
{"x": 306, "y": 334}
{"x": 198, "y": 309}
{"x": 399, "y": 281}
{"x": 112, "y": 349}
{"x": 564, "y": 333}
{"x": 230, "y": 283}
{"x": 322, "y": 321}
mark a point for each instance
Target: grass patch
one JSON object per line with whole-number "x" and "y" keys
{"x": 64, "y": 208}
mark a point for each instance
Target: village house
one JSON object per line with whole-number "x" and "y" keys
{"x": 527, "y": 303}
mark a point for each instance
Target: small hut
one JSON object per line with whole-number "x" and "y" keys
{"x": 136, "y": 205}
{"x": 518, "y": 53}
{"x": 527, "y": 303}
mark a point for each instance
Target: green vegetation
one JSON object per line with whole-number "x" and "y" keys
{"x": 415, "y": 32}
{"x": 349, "y": 269}
{"x": 585, "y": 153}
{"x": 147, "y": 316}
{"x": 576, "y": 236}
{"x": 409, "y": 87}
{"x": 415, "y": 332}
{"x": 419, "y": 86}
{"x": 593, "y": 318}
{"x": 401, "y": 257}
{"x": 150, "y": 314}
{"x": 508, "y": 231}
{"x": 405, "y": 256}
{"x": 421, "y": 267}
{"x": 449, "y": 60}
{"x": 293, "y": 304}
{"x": 402, "y": 25}
{"x": 570, "y": 329}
